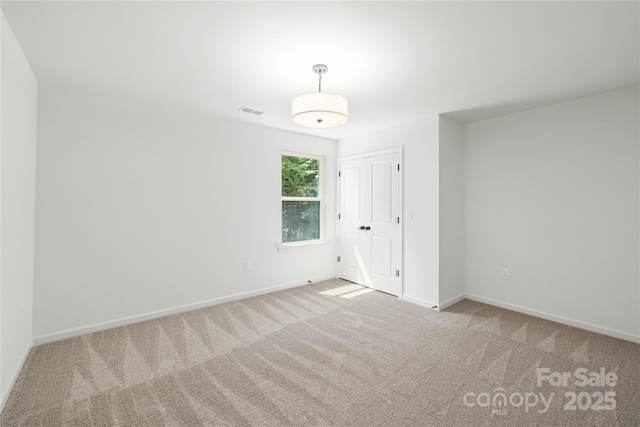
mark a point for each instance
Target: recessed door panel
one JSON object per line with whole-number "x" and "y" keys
{"x": 350, "y": 257}
{"x": 352, "y": 189}
{"x": 381, "y": 192}
{"x": 381, "y": 256}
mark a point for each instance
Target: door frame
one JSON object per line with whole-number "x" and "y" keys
{"x": 397, "y": 150}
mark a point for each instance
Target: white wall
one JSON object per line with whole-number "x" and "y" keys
{"x": 17, "y": 177}
{"x": 420, "y": 195}
{"x": 451, "y": 218}
{"x": 141, "y": 213}
{"x": 553, "y": 195}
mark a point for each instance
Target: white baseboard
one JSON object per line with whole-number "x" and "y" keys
{"x": 5, "y": 396}
{"x": 433, "y": 305}
{"x": 555, "y": 318}
{"x": 70, "y": 333}
{"x": 418, "y": 301}
{"x": 451, "y": 301}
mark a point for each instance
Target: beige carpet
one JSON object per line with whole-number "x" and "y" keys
{"x": 319, "y": 356}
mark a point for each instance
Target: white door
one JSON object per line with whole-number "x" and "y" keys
{"x": 370, "y": 245}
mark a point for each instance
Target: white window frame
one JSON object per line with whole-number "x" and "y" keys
{"x": 322, "y": 197}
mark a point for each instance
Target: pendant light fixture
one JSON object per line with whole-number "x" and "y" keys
{"x": 320, "y": 110}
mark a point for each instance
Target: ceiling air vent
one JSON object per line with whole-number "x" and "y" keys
{"x": 250, "y": 111}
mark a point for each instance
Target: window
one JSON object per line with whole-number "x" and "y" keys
{"x": 302, "y": 198}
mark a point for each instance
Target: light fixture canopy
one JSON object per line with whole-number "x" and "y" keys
{"x": 320, "y": 110}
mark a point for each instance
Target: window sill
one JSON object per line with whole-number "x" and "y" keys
{"x": 304, "y": 244}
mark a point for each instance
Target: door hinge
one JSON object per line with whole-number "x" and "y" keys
{"x": 339, "y": 174}
{"x": 338, "y": 259}
{"x": 397, "y": 273}
{"x": 398, "y": 220}
{"x": 398, "y": 166}
{"x": 338, "y": 216}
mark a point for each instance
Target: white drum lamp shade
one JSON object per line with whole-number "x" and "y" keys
{"x": 320, "y": 110}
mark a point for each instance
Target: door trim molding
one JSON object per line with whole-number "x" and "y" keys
{"x": 398, "y": 150}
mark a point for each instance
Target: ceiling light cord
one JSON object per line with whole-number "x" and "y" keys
{"x": 319, "y": 82}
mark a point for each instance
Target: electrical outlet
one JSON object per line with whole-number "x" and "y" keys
{"x": 247, "y": 266}
{"x": 504, "y": 273}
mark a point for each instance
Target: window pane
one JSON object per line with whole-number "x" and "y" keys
{"x": 300, "y": 221}
{"x": 300, "y": 176}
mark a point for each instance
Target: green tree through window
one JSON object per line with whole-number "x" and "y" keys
{"x": 301, "y": 202}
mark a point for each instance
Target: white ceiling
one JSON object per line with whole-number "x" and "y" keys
{"x": 394, "y": 61}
